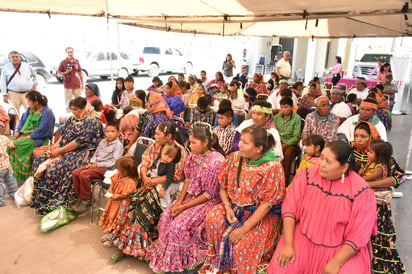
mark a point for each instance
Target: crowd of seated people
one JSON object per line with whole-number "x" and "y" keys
{"x": 239, "y": 178}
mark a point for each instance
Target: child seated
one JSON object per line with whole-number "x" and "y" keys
{"x": 162, "y": 172}
{"x": 6, "y": 172}
{"x": 202, "y": 112}
{"x": 313, "y": 146}
{"x": 104, "y": 158}
{"x": 226, "y": 130}
{"x": 379, "y": 156}
{"x": 123, "y": 182}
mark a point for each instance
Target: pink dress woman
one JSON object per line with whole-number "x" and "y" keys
{"x": 182, "y": 240}
{"x": 328, "y": 215}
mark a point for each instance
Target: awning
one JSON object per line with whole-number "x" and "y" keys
{"x": 298, "y": 18}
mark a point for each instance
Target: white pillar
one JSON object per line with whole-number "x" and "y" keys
{"x": 310, "y": 61}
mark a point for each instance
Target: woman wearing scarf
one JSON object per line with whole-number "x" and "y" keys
{"x": 92, "y": 92}
{"x": 244, "y": 229}
{"x": 321, "y": 122}
{"x": 157, "y": 112}
{"x": 385, "y": 256}
{"x": 173, "y": 99}
{"x": 258, "y": 84}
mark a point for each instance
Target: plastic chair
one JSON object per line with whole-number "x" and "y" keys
{"x": 328, "y": 85}
{"x": 263, "y": 96}
{"x": 203, "y": 124}
{"x": 342, "y": 86}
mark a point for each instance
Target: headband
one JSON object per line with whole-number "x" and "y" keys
{"x": 321, "y": 99}
{"x": 283, "y": 81}
{"x": 369, "y": 105}
{"x": 262, "y": 109}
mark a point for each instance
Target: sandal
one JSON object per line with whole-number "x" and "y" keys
{"x": 107, "y": 244}
{"x": 115, "y": 258}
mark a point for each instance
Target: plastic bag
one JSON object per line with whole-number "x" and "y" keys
{"x": 56, "y": 218}
{"x": 24, "y": 194}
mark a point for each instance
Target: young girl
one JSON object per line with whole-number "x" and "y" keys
{"x": 117, "y": 93}
{"x": 163, "y": 170}
{"x": 123, "y": 182}
{"x": 313, "y": 146}
{"x": 377, "y": 167}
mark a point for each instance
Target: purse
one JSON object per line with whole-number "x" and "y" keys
{"x": 56, "y": 219}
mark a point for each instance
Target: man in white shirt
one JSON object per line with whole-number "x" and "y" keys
{"x": 360, "y": 90}
{"x": 367, "y": 112}
{"x": 17, "y": 78}
{"x": 339, "y": 107}
{"x": 283, "y": 68}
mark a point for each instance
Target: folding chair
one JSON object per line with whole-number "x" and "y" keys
{"x": 99, "y": 189}
{"x": 141, "y": 145}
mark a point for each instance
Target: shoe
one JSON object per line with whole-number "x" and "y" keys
{"x": 81, "y": 208}
{"x": 115, "y": 258}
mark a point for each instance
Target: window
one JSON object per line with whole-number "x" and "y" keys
{"x": 114, "y": 56}
{"x": 151, "y": 50}
{"x": 374, "y": 57}
{"x": 124, "y": 55}
{"x": 99, "y": 56}
{"x": 176, "y": 52}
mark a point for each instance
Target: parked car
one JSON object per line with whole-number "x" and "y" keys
{"x": 97, "y": 63}
{"x": 367, "y": 64}
{"x": 38, "y": 66}
{"x": 162, "y": 59}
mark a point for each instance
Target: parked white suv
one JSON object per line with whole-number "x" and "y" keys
{"x": 97, "y": 63}
{"x": 162, "y": 59}
{"x": 367, "y": 64}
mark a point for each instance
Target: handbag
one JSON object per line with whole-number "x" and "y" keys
{"x": 56, "y": 219}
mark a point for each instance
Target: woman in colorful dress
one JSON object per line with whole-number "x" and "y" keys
{"x": 35, "y": 129}
{"x": 80, "y": 137}
{"x": 243, "y": 231}
{"x": 132, "y": 236}
{"x": 386, "y": 258}
{"x": 157, "y": 112}
{"x": 181, "y": 245}
{"x": 258, "y": 84}
{"x": 329, "y": 215}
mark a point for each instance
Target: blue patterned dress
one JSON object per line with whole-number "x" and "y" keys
{"x": 56, "y": 188}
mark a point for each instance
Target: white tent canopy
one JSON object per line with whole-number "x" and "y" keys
{"x": 298, "y": 18}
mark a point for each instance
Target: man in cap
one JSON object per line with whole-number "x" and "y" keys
{"x": 367, "y": 113}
